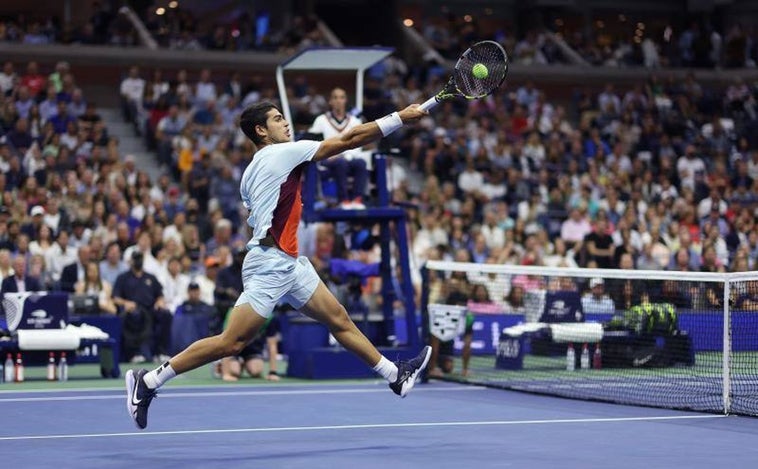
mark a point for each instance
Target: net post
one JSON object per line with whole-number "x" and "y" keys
{"x": 726, "y": 353}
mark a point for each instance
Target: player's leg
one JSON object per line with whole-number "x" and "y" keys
{"x": 324, "y": 307}
{"x": 315, "y": 300}
{"x": 244, "y": 323}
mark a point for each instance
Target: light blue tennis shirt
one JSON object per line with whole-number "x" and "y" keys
{"x": 270, "y": 190}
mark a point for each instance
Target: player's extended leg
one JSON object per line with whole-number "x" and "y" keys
{"x": 244, "y": 324}
{"x": 324, "y": 307}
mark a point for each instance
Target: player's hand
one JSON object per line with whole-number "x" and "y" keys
{"x": 272, "y": 376}
{"x": 412, "y": 113}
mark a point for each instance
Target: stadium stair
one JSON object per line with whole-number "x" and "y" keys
{"x": 130, "y": 143}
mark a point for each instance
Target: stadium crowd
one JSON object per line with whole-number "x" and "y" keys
{"x": 662, "y": 175}
{"x": 618, "y": 42}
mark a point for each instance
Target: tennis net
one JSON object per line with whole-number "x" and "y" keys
{"x": 681, "y": 340}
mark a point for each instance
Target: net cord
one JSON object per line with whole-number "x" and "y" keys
{"x": 712, "y": 277}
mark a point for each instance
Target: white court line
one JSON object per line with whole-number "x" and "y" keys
{"x": 268, "y": 392}
{"x": 177, "y": 385}
{"x": 362, "y": 427}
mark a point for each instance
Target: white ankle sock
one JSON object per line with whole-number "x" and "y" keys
{"x": 158, "y": 377}
{"x": 387, "y": 369}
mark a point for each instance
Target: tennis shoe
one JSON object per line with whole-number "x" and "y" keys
{"x": 409, "y": 371}
{"x": 138, "y": 397}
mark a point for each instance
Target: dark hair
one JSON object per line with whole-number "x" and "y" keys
{"x": 253, "y": 115}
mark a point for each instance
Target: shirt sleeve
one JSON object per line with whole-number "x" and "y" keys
{"x": 296, "y": 153}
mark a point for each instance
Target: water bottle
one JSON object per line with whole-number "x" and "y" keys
{"x": 51, "y": 367}
{"x": 9, "y": 371}
{"x": 19, "y": 370}
{"x": 570, "y": 358}
{"x": 585, "y": 359}
{"x": 63, "y": 368}
{"x": 597, "y": 358}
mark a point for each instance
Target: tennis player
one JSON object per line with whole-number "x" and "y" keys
{"x": 272, "y": 270}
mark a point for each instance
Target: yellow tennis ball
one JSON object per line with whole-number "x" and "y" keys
{"x": 480, "y": 71}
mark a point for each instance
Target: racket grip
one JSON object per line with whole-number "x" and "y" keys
{"x": 429, "y": 104}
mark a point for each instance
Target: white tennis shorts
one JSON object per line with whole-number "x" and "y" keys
{"x": 270, "y": 276}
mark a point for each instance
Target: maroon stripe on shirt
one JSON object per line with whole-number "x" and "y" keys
{"x": 289, "y": 196}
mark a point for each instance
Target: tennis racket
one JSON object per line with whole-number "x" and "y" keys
{"x": 478, "y": 73}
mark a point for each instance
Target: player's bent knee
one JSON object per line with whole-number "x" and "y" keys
{"x": 237, "y": 346}
{"x": 231, "y": 345}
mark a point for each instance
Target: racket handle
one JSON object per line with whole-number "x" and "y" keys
{"x": 429, "y": 104}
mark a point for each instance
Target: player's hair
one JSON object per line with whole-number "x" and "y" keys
{"x": 253, "y": 115}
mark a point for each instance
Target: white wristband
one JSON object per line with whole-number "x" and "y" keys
{"x": 389, "y": 123}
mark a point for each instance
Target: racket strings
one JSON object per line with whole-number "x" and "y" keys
{"x": 492, "y": 56}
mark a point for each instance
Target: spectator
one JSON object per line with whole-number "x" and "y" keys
{"x": 191, "y": 319}
{"x": 207, "y": 280}
{"x": 59, "y": 256}
{"x": 132, "y": 90}
{"x": 145, "y": 321}
{"x": 575, "y": 228}
{"x": 689, "y": 166}
{"x": 352, "y": 163}
{"x": 76, "y": 271}
{"x": 112, "y": 266}
{"x": 33, "y": 81}
{"x": 175, "y": 284}
{"x": 8, "y": 78}
{"x": 42, "y": 241}
{"x": 92, "y": 284}
{"x": 600, "y": 246}
{"x": 19, "y": 281}
{"x": 596, "y": 301}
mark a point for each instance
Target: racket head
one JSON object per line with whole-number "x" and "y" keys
{"x": 491, "y": 55}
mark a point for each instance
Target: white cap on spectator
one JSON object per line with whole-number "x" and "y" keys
{"x": 37, "y": 210}
{"x": 595, "y": 282}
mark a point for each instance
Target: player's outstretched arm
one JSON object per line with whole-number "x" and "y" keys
{"x": 366, "y": 133}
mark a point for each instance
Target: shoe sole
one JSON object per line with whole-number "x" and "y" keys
{"x": 132, "y": 409}
{"x": 408, "y": 385}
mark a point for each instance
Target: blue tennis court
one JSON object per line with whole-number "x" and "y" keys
{"x": 360, "y": 425}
